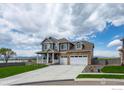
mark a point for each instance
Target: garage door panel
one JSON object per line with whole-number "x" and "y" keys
{"x": 78, "y": 60}
{"x": 63, "y": 60}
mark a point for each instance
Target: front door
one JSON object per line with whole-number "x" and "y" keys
{"x": 50, "y": 58}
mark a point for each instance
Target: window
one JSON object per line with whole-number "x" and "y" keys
{"x": 45, "y": 46}
{"x": 80, "y": 56}
{"x": 63, "y": 46}
{"x": 72, "y": 56}
{"x": 83, "y": 46}
{"x": 54, "y": 46}
{"x": 48, "y": 46}
{"x": 63, "y": 56}
{"x": 51, "y": 46}
{"x": 78, "y": 45}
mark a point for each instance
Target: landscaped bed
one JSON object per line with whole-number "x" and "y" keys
{"x": 106, "y": 70}
{"x": 13, "y": 70}
{"x": 108, "y": 76}
{"x": 113, "y": 69}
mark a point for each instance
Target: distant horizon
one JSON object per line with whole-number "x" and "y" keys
{"x": 94, "y": 56}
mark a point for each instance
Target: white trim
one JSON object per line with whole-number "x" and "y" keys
{"x": 37, "y": 58}
{"x": 42, "y": 58}
{"x": 52, "y": 57}
{"x": 47, "y": 58}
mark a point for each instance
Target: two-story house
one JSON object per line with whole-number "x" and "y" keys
{"x": 63, "y": 51}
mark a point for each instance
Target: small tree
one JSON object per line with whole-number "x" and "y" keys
{"x": 6, "y": 53}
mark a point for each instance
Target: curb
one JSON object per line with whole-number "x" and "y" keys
{"x": 104, "y": 73}
{"x": 28, "y": 83}
{"x": 96, "y": 79}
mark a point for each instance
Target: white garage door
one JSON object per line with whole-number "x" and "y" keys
{"x": 78, "y": 60}
{"x": 63, "y": 60}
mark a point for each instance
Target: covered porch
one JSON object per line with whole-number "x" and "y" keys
{"x": 47, "y": 57}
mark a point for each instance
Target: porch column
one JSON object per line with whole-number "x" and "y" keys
{"x": 53, "y": 58}
{"x": 37, "y": 58}
{"x": 68, "y": 59}
{"x": 42, "y": 58}
{"x": 47, "y": 58}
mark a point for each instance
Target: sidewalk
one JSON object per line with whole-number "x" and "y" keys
{"x": 105, "y": 73}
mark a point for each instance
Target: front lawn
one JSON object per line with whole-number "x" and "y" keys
{"x": 113, "y": 69}
{"x": 108, "y": 76}
{"x": 13, "y": 70}
{"x": 105, "y": 58}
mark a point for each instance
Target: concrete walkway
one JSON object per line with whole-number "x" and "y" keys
{"x": 54, "y": 72}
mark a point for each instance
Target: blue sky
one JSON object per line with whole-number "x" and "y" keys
{"x": 109, "y": 34}
{"x": 24, "y": 26}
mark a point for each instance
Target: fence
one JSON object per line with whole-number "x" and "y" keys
{"x": 14, "y": 61}
{"x": 114, "y": 61}
{"x": 12, "y": 64}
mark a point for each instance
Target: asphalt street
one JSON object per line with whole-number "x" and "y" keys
{"x": 72, "y": 82}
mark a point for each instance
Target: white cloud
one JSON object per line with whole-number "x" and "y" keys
{"x": 26, "y": 52}
{"x": 34, "y": 22}
{"x": 116, "y": 42}
{"x": 116, "y": 36}
{"x": 106, "y": 53}
{"x": 119, "y": 47}
{"x": 5, "y": 26}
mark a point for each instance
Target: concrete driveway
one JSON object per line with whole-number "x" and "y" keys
{"x": 53, "y": 72}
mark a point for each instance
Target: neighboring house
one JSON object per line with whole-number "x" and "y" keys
{"x": 122, "y": 52}
{"x": 63, "y": 51}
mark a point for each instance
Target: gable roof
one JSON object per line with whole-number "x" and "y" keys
{"x": 50, "y": 40}
{"x": 63, "y": 40}
{"x": 83, "y": 41}
{"x": 53, "y": 39}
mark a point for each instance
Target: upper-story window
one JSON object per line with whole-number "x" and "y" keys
{"x": 63, "y": 46}
{"x": 78, "y": 45}
{"x": 55, "y": 46}
{"x": 45, "y": 46}
{"x": 48, "y": 46}
{"x": 51, "y": 46}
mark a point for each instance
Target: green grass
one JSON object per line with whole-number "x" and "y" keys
{"x": 13, "y": 70}
{"x": 113, "y": 69}
{"x": 108, "y": 76}
{"x": 105, "y": 58}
